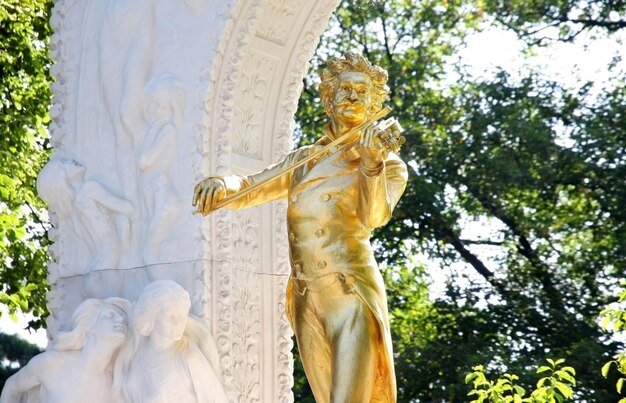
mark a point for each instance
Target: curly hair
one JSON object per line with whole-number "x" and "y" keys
{"x": 353, "y": 62}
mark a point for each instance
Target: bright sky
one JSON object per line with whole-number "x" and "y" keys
{"x": 484, "y": 53}
{"x": 8, "y": 326}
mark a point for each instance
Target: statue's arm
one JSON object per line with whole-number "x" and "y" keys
{"x": 164, "y": 142}
{"x": 213, "y": 189}
{"x": 380, "y": 190}
{"x": 92, "y": 191}
{"x": 24, "y": 380}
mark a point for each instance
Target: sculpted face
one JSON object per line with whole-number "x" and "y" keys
{"x": 170, "y": 323}
{"x": 111, "y": 323}
{"x": 352, "y": 98}
{"x": 159, "y": 110}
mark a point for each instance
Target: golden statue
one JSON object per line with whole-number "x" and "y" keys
{"x": 338, "y": 190}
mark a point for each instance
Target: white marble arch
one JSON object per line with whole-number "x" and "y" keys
{"x": 257, "y": 88}
{"x": 241, "y": 63}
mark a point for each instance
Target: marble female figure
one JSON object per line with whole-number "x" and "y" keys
{"x": 172, "y": 357}
{"x": 85, "y": 353}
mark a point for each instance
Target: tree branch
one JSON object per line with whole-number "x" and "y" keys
{"x": 386, "y": 38}
{"x": 453, "y": 239}
{"x": 609, "y": 25}
{"x": 481, "y": 242}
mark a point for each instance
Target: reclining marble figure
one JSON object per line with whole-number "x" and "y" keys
{"x": 78, "y": 366}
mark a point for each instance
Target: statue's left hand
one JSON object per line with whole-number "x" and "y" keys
{"x": 370, "y": 147}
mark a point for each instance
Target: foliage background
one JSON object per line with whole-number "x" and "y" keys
{"x": 24, "y": 101}
{"x": 536, "y": 168}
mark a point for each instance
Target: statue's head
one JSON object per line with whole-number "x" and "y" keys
{"x": 106, "y": 320}
{"x": 55, "y": 184}
{"x": 165, "y": 99}
{"x": 162, "y": 311}
{"x": 352, "y": 88}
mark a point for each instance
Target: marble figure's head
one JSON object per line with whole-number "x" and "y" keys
{"x": 162, "y": 311}
{"x": 165, "y": 99}
{"x": 105, "y": 320}
{"x": 55, "y": 184}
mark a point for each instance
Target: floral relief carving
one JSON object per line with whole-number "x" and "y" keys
{"x": 213, "y": 141}
{"x": 277, "y": 19}
{"x": 250, "y": 111}
{"x": 282, "y": 333}
{"x": 246, "y": 285}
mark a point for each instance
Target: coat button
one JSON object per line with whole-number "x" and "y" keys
{"x": 321, "y": 264}
{"x": 297, "y": 267}
{"x": 319, "y": 232}
{"x": 325, "y": 197}
{"x": 294, "y": 198}
{"x": 292, "y": 236}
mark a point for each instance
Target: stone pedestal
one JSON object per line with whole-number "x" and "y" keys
{"x": 151, "y": 96}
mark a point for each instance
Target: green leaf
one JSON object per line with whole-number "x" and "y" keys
{"x": 619, "y": 385}
{"x": 469, "y": 377}
{"x": 605, "y": 368}
{"x": 565, "y": 390}
{"x": 564, "y": 375}
{"x": 542, "y": 382}
{"x": 571, "y": 370}
{"x": 543, "y": 369}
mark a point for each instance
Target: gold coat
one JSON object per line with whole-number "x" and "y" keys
{"x": 333, "y": 207}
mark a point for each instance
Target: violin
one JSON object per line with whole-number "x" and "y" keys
{"x": 390, "y": 136}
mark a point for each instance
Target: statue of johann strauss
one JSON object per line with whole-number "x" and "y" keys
{"x": 336, "y": 298}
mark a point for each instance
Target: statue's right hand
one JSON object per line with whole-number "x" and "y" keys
{"x": 207, "y": 193}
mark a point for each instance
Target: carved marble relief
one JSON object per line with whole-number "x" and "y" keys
{"x": 96, "y": 220}
{"x": 86, "y": 352}
{"x": 171, "y": 356}
{"x": 277, "y": 20}
{"x": 255, "y": 53}
{"x": 156, "y": 352}
{"x": 250, "y": 113}
{"x": 164, "y": 108}
{"x": 246, "y": 300}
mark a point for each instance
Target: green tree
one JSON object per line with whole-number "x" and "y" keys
{"x": 15, "y": 352}
{"x": 533, "y": 161}
{"x": 614, "y": 318}
{"x": 24, "y": 102}
{"x": 538, "y": 21}
{"x": 553, "y": 387}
